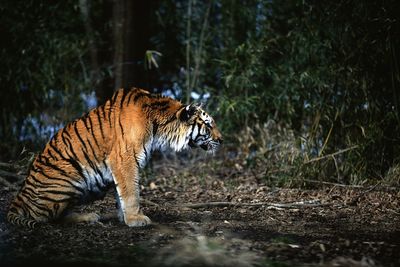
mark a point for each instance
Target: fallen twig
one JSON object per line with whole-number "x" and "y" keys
{"x": 355, "y": 200}
{"x": 334, "y": 184}
{"x": 148, "y": 202}
{"x": 12, "y": 166}
{"x": 259, "y": 204}
{"x": 377, "y": 186}
{"x": 6, "y": 183}
{"x": 7, "y": 165}
{"x": 15, "y": 176}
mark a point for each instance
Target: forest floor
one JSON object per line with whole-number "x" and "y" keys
{"x": 255, "y": 225}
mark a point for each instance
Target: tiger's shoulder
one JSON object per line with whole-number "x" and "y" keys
{"x": 140, "y": 100}
{"x": 125, "y": 97}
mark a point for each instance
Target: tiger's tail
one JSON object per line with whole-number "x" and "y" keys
{"x": 20, "y": 220}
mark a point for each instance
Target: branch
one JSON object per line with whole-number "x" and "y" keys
{"x": 334, "y": 184}
{"x": 331, "y": 155}
{"x": 377, "y": 186}
{"x": 17, "y": 177}
{"x": 7, "y": 165}
{"x": 199, "y": 49}
{"x": 268, "y": 204}
{"x": 6, "y": 183}
{"x": 188, "y": 32}
{"x": 148, "y": 202}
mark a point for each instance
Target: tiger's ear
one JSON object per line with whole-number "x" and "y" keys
{"x": 188, "y": 111}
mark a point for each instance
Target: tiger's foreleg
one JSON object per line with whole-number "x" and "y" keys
{"x": 125, "y": 170}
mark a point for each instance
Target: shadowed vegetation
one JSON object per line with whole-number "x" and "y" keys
{"x": 315, "y": 77}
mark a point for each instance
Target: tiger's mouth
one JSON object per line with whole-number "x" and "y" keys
{"x": 212, "y": 145}
{"x": 192, "y": 144}
{"x": 207, "y": 146}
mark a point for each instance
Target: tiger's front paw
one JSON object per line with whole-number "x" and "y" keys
{"x": 138, "y": 220}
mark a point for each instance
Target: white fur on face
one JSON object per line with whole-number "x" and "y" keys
{"x": 205, "y": 117}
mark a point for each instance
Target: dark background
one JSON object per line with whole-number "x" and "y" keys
{"x": 324, "y": 73}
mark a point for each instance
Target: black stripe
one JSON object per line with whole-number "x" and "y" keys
{"x": 66, "y": 144}
{"x": 129, "y": 98}
{"x": 59, "y": 192}
{"x": 124, "y": 94}
{"x": 38, "y": 213}
{"x": 28, "y": 209}
{"x": 155, "y": 128}
{"x": 17, "y": 205}
{"x": 25, "y": 209}
{"x": 79, "y": 137}
{"x": 88, "y": 160}
{"x": 72, "y": 159}
{"x": 162, "y": 105}
{"x": 56, "y": 179}
{"x": 199, "y": 130}
{"x": 51, "y": 155}
{"x": 120, "y": 125}
{"x": 56, "y": 149}
{"x": 55, "y": 167}
{"x": 92, "y": 131}
{"x": 108, "y": 115}
{"x": 136, "y": 160}
{"x": 77, "y": 167}
{"x": 114, "y": 97}
{"x": 97, "y": 112}
{"x": 164, "y": 109}
{"x": 56, "y": 207}
{"x": 67, "y": 199}
{"x": 29, "y": 194}
{"x": 40, "y": 170}
{"x": 100, "y": 173}
{"x": 32, "y": 201}
{"x": 93, "y": 151}
{"x": 66, "y": 132}
{"x": 171, "y": 119}
{"x": 139, "y": 95}
{"x": 84, "y": 119}
{"x": 71, "y": 149}
{"x": 96, "y": 170}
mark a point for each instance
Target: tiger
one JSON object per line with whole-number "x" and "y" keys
{"x": 106, "y": 148}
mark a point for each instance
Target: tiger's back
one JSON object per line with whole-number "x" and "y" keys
{"x": 104, "y": 148}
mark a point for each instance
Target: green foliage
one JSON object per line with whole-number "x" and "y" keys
{"x": 326, "y": 73}
{"x": 43, "y": 71}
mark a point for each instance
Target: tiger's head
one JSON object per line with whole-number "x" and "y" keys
{"x": 202, "y": 130}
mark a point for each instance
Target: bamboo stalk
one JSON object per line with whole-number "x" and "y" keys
{"x": 332, "y": 154}
{"x": 188, "y": 33}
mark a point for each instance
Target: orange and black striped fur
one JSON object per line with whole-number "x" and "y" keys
{"x": 105, "y": 148}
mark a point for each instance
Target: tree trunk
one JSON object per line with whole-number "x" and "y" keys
{"x": 100, "y": 83}
{"x": 131, "y": 25}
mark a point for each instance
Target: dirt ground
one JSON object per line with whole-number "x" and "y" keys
{"x": 329, "y": 226}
